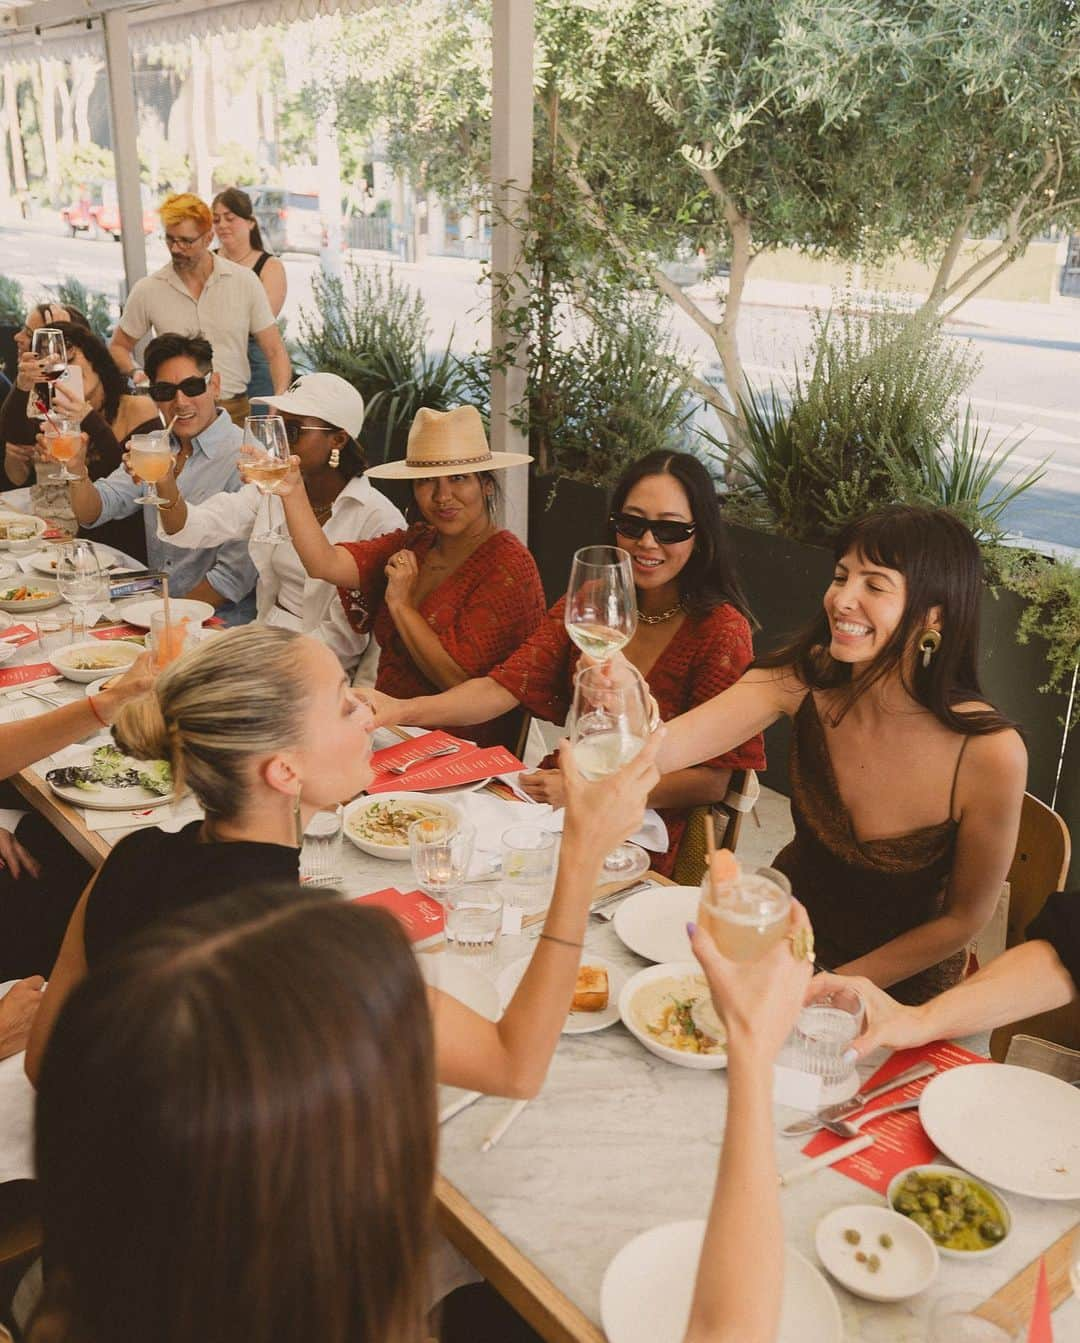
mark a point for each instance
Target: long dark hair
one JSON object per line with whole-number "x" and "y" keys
{"x": 239, "y": 203}
{"x": 114, "y": 384}
{"x": 236, "y": 1132}
{"x": 942, "y": 567}
{"x": 710, "y": 576}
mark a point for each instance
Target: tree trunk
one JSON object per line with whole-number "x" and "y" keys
{"x": 200, "y": 147}
{"x": 67, "y": 111}
{"x": 84, "y": 76}
{"x": 5, "y": 174}
{"x": 47, "y": 69}
{"x": 11, "y": 111}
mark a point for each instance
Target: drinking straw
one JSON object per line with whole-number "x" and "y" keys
{"x": 168, "y": 427}
{"x": 710, "y": 852}
{"x": 503, "y": 1124}
{"x": 165, "y": 605}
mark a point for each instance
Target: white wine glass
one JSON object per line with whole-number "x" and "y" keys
{"x": 609, "y": 724}
{"x": 601, "y": 601}
{"x": 265, "y": 465}
{"x": 80, "y": 578}
{"x": 150, "y": 456}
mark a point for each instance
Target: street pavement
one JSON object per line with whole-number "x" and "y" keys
{"x": 1028, "y": 385}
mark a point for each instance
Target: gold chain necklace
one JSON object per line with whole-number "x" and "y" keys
{"x": 664, "y": 615}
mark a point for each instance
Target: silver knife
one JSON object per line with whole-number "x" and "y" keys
{"x": 607, "y": 906}
{"x": 845, "y": 1108}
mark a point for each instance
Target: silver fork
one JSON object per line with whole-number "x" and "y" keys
{"x": 406, "y": 765}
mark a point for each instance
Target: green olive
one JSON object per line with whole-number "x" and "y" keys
{"x": 992, "y": 1230}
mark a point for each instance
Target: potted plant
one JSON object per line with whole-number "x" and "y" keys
{"x": 12, "y": 315}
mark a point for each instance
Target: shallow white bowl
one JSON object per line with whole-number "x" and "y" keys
{"x": 6, "y": 517}
{"x": 28, "y": 605}
{"x": 908, "y": 1267}
{"x": 643, "y": 980}
{"x": 950, "y": 1172}
{"x": 121, "y": 651}
{"x": 395, "y": 852}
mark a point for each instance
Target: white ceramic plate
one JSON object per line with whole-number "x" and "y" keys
{"x": 395, "y": 852}
{"x": 653, "y": 922}
{"x": 6, "y": 516}
{"x": 44, "y": 560}
{"x": 577, "y": 1023}
{"x": 463, "y": 982}
{"x": 139, "y": 613}
{"x": 949, "y": 1172}
{"x": 649, "y": 1285}
{"x": 101, "y": 798}
{"x": 908, "y": 1266}
{"x": 29, "y": 604}
{"x": 120, "y": 652}
{"x": 1012, "y": 1127}
{"x": 634, "y": 1011}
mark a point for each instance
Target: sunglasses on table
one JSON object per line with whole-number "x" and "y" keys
{"x": 667, "y": 531}
{"x": 165, "y": 391}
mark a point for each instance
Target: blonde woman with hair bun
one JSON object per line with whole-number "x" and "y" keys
{"x": 263, "y": 727}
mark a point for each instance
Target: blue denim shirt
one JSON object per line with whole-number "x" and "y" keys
{"x": 211, "y": 469}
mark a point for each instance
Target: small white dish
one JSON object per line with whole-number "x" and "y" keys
{"x": 653, "y": 922}
{"x": 28, "y": 604}
{"x": 648, "y": 1288}
{"x": 101, "y": 797}
{"x": 116, "y": 654}
{"x": 907, "y": 1263}
{"x": 45, "y": 559}
{"x": 8, "y": 517}
{"x": 643, "y": 997}
{"x": 180, "y": 608}
{"x": 954, "y": 1172}
{"x": 445, "y": 972}
{"x": 577, "y": 1023}
{"x": 395, "y": 852}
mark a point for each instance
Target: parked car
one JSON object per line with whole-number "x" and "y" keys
{"x": 289, "y": 221}
{"x": 97, "y": 212}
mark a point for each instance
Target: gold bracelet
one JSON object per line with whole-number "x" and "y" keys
{"x": 562, "y": 941}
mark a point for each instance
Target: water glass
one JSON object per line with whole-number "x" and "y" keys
{"x": 320, "y": 853}
{"x": 474, "y": 922}
{"x": 167, "y": 643}
{"x": 823, "y": 1034}
{"x": 22, "y": 537}
{"x": 57, "y": 629}
{"x": 953, "y": 1320}
{"x": 441, "y": 851}
{"x": 528, "y": 867}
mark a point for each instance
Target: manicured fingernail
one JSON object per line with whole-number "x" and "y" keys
{"x": 691, "y": 929}
{"x": 850, "y": 1057}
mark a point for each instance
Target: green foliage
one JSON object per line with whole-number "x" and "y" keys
{"x": 95, "y": 305}
{"x": 372, "y": 330}
{"x": 236, "y": 166}
{"x": 12, "y": 301}
{"x": 84, "y": 165}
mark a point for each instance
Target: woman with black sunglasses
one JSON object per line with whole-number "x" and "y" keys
{"x": 323, "y": 416}
{"x": 693, "y": 637}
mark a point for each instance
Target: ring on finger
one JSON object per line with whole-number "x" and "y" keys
{"x": 802, "y": 944}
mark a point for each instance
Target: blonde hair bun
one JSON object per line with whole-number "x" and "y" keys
{"x": 140, "y": 729}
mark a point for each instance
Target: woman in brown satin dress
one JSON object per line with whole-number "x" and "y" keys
{"x": 906, "y": 783}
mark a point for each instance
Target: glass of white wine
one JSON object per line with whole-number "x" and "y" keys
{"x": 609, "y": 724}
{"x": 601, "y": 601}
{"x": 266, "y": 464}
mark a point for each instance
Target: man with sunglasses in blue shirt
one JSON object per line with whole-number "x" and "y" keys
{"x": 206, "y": 447}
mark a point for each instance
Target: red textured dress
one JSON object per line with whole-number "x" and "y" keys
{"x": 706, "y": 655}
{"x": 481, "y": 612}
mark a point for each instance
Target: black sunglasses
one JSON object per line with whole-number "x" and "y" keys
{"x": 165, "y": 391}
{"x": 293, "y": 430}
{"x": 666, "y": 531}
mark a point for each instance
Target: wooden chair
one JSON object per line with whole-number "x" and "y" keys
{"x": 1040, "y": 866}
{"x": 728, "y": 817}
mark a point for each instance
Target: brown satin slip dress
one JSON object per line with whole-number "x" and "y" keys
{"x": 861, "y": 894}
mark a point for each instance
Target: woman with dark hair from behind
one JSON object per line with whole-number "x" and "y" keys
{"x": 906, "y": 785}
{"x": 693, "y": 637}
{"x": 239, "y": 241}
{"x": 255, "y": 1089}
{"x": 108, "y": 414}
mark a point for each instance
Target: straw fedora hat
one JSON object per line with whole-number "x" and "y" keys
{"x": 447, "y": 443}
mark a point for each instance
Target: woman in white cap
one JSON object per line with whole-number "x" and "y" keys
{"x": 323, "y": 415}
{"x": 452, "y": 596}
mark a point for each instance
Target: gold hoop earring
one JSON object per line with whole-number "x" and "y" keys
{"x": 298, "y": 823}
{"x": 334, "y": 459}
{"x": 929, "y": 643}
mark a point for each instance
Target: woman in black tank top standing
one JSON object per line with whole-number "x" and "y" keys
{"x": 240, "y": 242}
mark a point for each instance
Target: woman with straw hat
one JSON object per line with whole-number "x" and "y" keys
{"x": 453, "y": 595}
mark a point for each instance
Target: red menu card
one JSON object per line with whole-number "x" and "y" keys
{"x": 899, "y": 1139}
{"x": 11, "y": 676}
{"x": 468, "y": 765}
{"x": 418, "y": 914}
{"x": 18, "y": 635}
{"x": 120, "y": 632}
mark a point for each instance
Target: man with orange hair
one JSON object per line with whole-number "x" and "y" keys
{"x": 200, "y": 293}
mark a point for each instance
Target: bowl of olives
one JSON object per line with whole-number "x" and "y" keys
{"x": 964, "y": 1218}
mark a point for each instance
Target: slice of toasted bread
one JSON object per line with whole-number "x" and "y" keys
{"x": 591, "y": 989}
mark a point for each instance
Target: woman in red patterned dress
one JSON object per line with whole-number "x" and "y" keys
{"x": 453, "y": 595}
{"x": 692, "y": 640}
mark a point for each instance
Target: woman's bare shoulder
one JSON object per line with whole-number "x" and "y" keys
{"x": 783, "y": 684}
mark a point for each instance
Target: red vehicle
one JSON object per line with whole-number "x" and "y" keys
{"x": 96, "y": 212}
